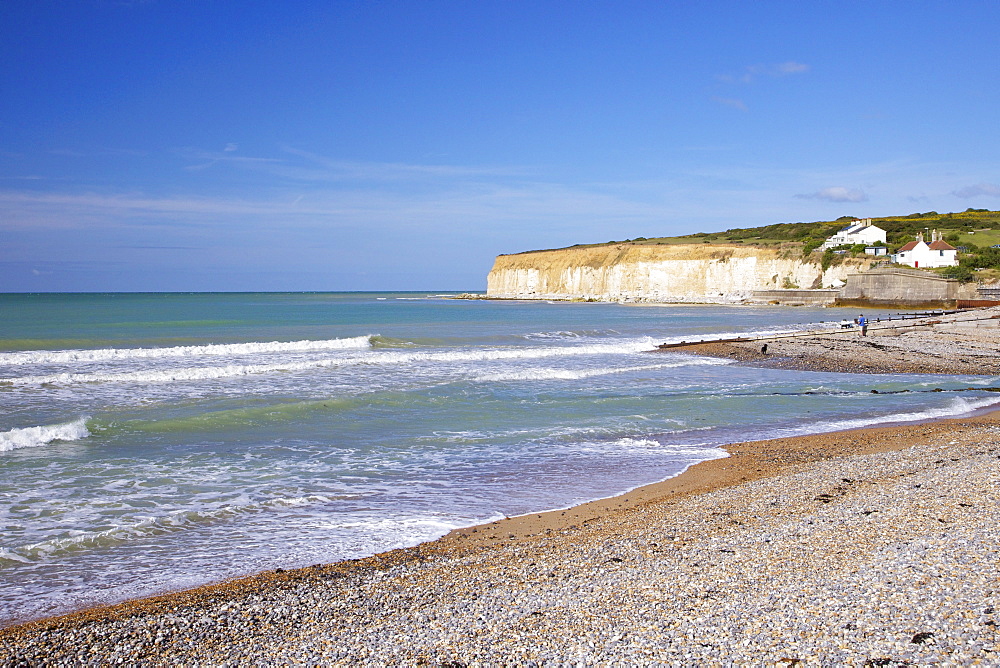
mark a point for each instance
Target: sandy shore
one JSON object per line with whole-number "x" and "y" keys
{"x": 872, "y": 547}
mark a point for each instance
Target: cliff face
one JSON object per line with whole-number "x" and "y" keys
{"x": 659, "y": 273}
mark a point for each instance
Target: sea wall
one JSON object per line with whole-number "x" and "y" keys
{"x": 702, "y": 273}
{"x": 797, "y": 297}
{"x": 903, "y": 286}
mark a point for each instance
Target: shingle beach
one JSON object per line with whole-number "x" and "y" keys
{"x": 877, "y": 547}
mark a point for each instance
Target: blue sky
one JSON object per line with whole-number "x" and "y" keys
{"x": 216, "y": 145}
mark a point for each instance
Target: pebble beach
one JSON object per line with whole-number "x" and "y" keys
{"x": 958, "y": 343}
{"x": 876, "y": 547}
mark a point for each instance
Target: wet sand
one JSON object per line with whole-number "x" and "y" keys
{"x": 868, "y": 547}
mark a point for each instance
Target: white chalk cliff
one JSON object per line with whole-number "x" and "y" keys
{"x": 675, "y": 273}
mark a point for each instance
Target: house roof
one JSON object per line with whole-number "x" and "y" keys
{"x": 853, "y": 229}
{"x": 907, "y": 247}
{"x": 940, "y": 245}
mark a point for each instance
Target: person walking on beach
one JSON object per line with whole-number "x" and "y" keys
{"x": 863, "y": 324}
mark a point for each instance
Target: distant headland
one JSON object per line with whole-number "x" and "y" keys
{"x": 795, "y": 263}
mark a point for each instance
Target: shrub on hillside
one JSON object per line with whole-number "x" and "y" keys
{"x": 829, "y": 259}
{"x": 983, "y": 258}
{"x": 962, "y": 273}
{"x": 811, "y": 245}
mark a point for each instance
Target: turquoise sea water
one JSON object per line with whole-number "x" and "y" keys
{"x": 151, "y": 442}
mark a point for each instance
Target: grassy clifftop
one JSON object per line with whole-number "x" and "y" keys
{"x": 972, "y": 228}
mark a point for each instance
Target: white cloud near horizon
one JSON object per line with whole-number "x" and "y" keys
{"x": 476, "y": 205}
{"x": 978, "y": 190}
{"x": 836, "y": 194}
{"x": 480, "y": 202}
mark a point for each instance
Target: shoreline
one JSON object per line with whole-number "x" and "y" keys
{"x": 698, "y": 478}
{"x": 747, "y": 463}
{"x": 406, "y": 593}
{"x": 947, "y": 345}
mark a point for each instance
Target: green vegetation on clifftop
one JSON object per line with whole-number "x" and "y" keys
{"x": 973, "y": 228}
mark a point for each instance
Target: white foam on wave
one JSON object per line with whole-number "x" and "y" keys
{"x": 661, "y": 444}
{"x": 379, "y": 357}
{"x": 955, "y": 407}
{"x": 362, "y": 536}
{"x": 580, "y": 374}
{"x": 620, "y": 347}
{"x": 33, "y": 437}
{"x": 569, "y": 335}
{"x": 553, "y": 335}
{"x": 718, "y": 336}
{"x": 170, "y": 375}
{"x": 111, "y": 354}
{"x": 637, "y": 443}
{"x": 148, "y": 526}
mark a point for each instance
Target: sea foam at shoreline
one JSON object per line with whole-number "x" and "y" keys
{"x": 173, "y": 454}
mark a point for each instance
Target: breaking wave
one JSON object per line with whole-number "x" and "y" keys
{"x": 954, "y": 408}
{"x": 580, "y": 374}
{"x": 111, "y": 354}
{"x": 721, "y": 336}
{"x": 150, "y": 526}
{"x": 388, "y": 357}
{"x": 33, "y": 437}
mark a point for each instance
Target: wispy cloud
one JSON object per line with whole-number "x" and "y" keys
{"x": 67, "y": 153}
{"x": 94, "y": 152}
{"x": 168, "y": 248}
{"x": 318, "y": 167}
{"x": 708, "y": 148}
{"x": 836, "y": 194}
{"x": 753, "y": 72}
{"x": 128, "y": 203}
{"x": 207, "y": 159}
{"x": 733, "y": 102}
{"x": 978, "y": 190}
{"x": 323, "y": 198}
{"x": 302, "y": 166}
{"x": 791, "y": 67}
{"x": 444, "y": 206}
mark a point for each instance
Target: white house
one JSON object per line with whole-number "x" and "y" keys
{"x": 858, "y": 232}
{"x": 938, "y": 253}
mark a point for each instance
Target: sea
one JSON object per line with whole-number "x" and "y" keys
{"x": 156, "y": 442}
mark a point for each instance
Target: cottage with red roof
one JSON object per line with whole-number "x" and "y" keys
{"x": 917, "y": 254}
